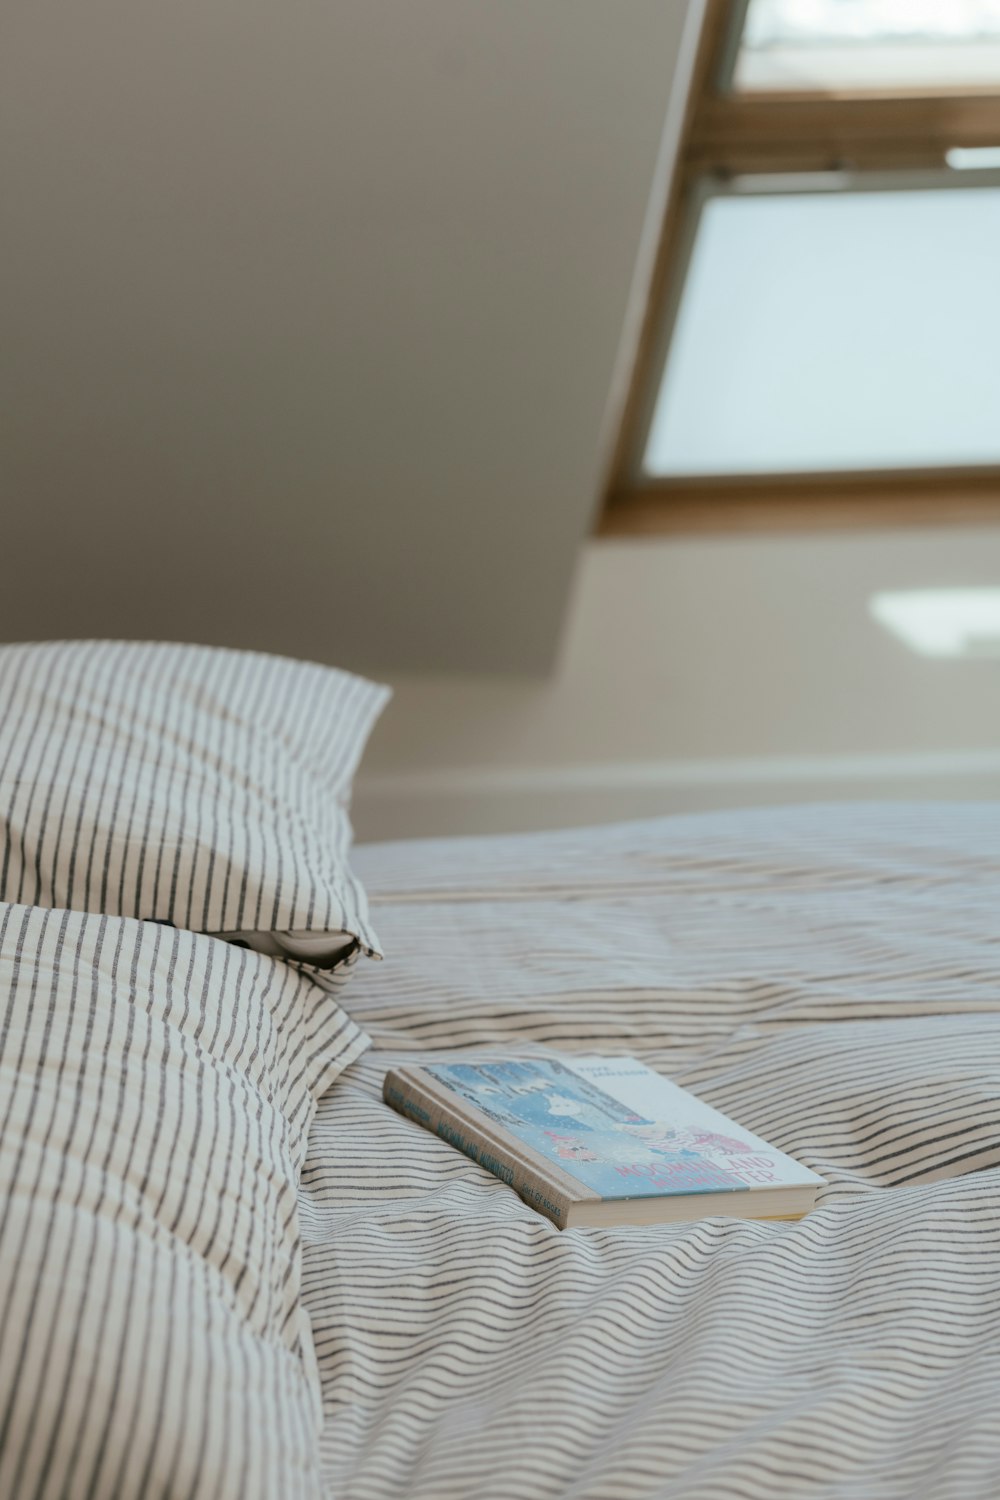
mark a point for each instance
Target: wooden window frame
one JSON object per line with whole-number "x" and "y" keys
{"x": 726, "y": 135}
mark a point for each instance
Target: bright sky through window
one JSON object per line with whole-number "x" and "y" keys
{"x": 829, "y": 44}
{"x": 770, "y": 21}
{"x": 835, "y": 330}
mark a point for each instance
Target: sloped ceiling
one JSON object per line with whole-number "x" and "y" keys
{"x": 311, "y": 314}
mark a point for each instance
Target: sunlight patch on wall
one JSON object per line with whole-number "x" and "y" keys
{"x": 942, "y": 622}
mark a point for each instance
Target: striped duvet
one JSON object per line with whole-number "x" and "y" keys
{"x": 831, "y": 978}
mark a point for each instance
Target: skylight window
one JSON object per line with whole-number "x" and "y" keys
{"x": 819, "y": 347}
{"x": 830, "y": 44}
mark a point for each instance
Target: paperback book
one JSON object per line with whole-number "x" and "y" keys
{"x": 594, "y": 1141}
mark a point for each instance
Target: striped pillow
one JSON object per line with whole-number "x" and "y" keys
{"x": 156, "y": 1089}
{"x": 187, "y": 784}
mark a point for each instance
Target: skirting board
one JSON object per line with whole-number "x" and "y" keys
{"x": 390, "y": 805}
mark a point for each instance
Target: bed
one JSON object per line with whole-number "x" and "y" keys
{"x": 830, "y": 977}
{"x": 229, "y": 1272}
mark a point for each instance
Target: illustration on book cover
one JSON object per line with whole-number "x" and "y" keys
{"x": 597, "y": 1138}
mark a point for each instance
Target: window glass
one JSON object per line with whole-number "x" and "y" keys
{"x": 838, "y": 330}
{"x": 868, "y": 44}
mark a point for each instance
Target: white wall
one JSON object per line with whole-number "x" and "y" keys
{"x": 311, "y": 313}
{"x": 703, "y": 673}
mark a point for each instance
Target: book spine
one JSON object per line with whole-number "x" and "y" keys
{"x": 483, "y": 1141}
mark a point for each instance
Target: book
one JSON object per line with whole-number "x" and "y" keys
{"x": 596, "y": 1141}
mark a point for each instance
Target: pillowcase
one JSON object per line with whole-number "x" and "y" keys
{"x": 187, "y": 784}
{"x": 156, "y": 1089}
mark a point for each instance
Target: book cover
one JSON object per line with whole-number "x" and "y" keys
{"x": 581, "y": 1139}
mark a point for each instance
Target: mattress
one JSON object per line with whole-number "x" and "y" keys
{"x": 830, "y": 977}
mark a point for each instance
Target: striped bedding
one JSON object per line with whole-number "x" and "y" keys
{"x": 828, "y": 976}
{"x": 156, "y": 1089}
{"x": 193, "y": 785}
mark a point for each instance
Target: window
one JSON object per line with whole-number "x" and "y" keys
{"x": 823, "y": 338}
{"x": 851, "y": 44}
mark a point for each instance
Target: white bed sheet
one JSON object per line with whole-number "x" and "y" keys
{"x": 830, "y": 977}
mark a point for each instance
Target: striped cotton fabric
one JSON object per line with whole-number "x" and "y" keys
{"x": 830, "y": 977}
{"x": 156, "y": 1090}
{"x": 204, "y": 787}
